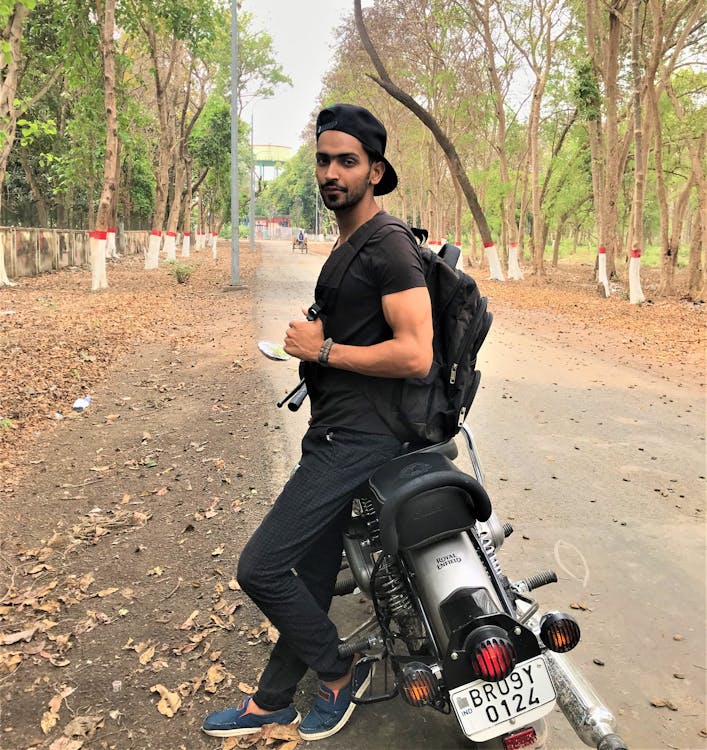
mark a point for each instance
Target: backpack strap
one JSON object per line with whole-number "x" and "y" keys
{"x": 338, "y": 262}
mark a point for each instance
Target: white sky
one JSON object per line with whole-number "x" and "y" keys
{"x": 302, "y": 34}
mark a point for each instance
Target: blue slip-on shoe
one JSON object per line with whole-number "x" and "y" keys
{"x": 237, "y": 721}
{"x": 333, "y": 708}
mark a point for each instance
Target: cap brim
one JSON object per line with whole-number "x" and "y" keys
{"x": 389, "y": 181}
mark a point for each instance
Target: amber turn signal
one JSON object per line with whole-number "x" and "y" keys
{"x": 559, "y": 631}
{"x": 418, "y": 685}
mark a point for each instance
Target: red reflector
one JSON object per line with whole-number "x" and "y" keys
{"x": 525, "y": 738}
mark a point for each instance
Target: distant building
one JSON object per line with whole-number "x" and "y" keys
{"x": 273, "y": 228}
{"x": 270, "y": 161}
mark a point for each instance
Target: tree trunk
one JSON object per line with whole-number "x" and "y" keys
{"x": 105, "y": 12}
{"x": 162, "y": 79}
{"x": 9, "y": 78}
{"x": 635, "y": 291}
{"x": 556, "y": 246}
{"x": 698, "y": 247}
{"x": 40, "y": 203}
{"x": 509, "y": 224}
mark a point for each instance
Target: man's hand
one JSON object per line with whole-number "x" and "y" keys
{"x": 304, "y": 339}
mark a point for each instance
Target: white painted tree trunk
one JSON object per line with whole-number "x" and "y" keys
{"x": 635, "y": 293}
{"x": 495, "y": 270}
{"x": 200, "y": 240}
{"x": 514, "y": 271}
{"x": 152, "y": 259}
{"x": 4, "y": 280}
{"x": 170, "y": 245}
{"x": 186, "y": 244}
{"x": 601, "y": 271}
{"x": 111, "y": 246}
{"x": 214, "y": 251}
{"x": 97, "y": 243}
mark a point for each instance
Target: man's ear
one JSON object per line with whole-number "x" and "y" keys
{"x": 377, "y": 170}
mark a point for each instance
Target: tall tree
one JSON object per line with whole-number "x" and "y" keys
{"x": 12, "y": 18}
{"x": 384, "y": 80}
{"x": 105, "y": 16}
{"x": 635, "y": 291}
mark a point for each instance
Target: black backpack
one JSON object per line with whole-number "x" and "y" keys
{"x": 432, "y": 409}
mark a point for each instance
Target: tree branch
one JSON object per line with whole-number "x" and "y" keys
{"x": 384, "y": 81}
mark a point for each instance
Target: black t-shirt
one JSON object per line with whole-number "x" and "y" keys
{"x": 389, "y": 262}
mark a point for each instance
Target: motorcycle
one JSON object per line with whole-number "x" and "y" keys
{"x": 449, "y": 628}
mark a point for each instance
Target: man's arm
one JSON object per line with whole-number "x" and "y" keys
{"x": 407, "y": 355}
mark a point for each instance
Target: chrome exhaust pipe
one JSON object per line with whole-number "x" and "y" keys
{"x": 587, "y": 715}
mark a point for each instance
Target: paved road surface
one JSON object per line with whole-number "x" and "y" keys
{"x": 601, "y": 470}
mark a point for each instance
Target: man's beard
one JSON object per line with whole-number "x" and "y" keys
{"x": 347, "y": 198}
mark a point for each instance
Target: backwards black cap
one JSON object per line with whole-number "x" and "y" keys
{"x": 362, "y": 125}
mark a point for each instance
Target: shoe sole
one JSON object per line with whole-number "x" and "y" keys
{"x": 246, "y": 730}
{"x": 347, "y": 714}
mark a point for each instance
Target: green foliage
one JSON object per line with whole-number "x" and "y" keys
{"x": 585, "y": 91}
{"x": 259, "y": 73}
{"x": 181, "y": 271}
{"x": 5, "y": 424}
{"x": 294, "y": 192}
{"x": 31, "y": 129}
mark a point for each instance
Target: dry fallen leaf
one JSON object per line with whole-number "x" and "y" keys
{"x": 188, "y": 624}
{"x": 83, "y": 726}
{"x": 50, "y": 717}
{"x": 169, "y": 702}
{"x": 280, "y": 732}
{"x": 580, "y": 605}
{"x": 66, "y": 743}
{"x": 10, "y": 661}
{"x": 23, "y": 635}
{"x": 663, "y": 703}
{"x": 146, "y": 655}
{"x": 215, "y": 674}
{"x": 244, "y": 687}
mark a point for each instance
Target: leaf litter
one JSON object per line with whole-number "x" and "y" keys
{"x": 52, "y": 615}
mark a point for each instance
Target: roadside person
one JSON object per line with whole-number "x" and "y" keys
{"x": 379, "y": 327}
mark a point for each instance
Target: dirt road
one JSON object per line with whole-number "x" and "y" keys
{"x": 120, "y": 621}
{"x": 601, "y": 469}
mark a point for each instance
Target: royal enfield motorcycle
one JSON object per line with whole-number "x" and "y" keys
{"x": 450, "y": 631}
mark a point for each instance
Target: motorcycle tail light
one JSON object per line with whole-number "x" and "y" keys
{"x": 418, "y": 684}
{"x": 491, "y": 652}
{"x": 524, "y": 738}
{"x": 559, "y": 632}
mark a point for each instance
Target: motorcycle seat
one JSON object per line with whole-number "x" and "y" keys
{"x": 424, "y": 497}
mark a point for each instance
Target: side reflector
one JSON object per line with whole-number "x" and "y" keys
{"x": 559, "y": 632}
{"x": 418, "y": 684}
{"x": 491, "y": 653}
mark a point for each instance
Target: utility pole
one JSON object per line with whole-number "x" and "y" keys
{"x": 235, "y": 210}
{"x": 251, "y": 209}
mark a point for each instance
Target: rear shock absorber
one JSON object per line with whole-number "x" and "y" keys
{"x": 368, "y": 513}
{"x": 486, "y": 539}
{"x": 391, "y": 588}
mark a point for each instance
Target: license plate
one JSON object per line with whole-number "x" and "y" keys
{"x": 489, "y": 709}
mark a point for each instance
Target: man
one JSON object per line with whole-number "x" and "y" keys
{"x": 379, "y": 327}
